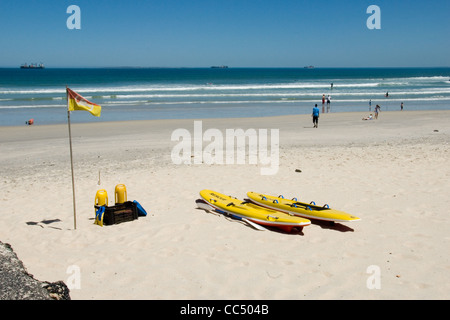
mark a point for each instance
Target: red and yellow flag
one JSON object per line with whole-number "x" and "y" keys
{"x": 77, "y": 102}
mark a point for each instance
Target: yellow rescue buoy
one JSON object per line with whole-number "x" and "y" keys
{"x": 120, "y": 193}
{"x": 101, "y": 198}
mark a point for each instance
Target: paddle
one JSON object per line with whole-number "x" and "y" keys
{"x": 202, "y": 204}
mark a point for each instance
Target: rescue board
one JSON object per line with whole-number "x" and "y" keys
{"x": 253, "y": 212}
{"x": 202, "y": 204}
{"x": 301, "y": 209}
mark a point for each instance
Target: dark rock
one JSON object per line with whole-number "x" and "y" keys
{"x": 18, "y": 284}
{"x": 57, "y": 290}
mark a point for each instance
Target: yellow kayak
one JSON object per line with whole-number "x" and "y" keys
{"x": 252, "y": 212}
{"x": 306, "y": 210}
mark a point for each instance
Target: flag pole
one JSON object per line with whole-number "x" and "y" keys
{"x": 71, "y": 164}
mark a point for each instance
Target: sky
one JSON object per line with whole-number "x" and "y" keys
{"x": 237, "y": 33}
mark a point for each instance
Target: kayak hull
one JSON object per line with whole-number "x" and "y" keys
{"x": 253, "y": 212}
{"x": 301, "y": 209}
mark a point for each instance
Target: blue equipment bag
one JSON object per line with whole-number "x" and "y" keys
{"x": 141, "y": 211}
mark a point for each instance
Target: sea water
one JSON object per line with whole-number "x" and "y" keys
{"x": 196, "y": 93}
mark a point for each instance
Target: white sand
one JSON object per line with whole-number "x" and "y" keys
{"x": 392, "y": 172}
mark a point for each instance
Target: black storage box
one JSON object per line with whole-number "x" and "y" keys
{"x": 119, "y": 213}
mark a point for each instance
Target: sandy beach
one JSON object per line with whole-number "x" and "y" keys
{"x": 393, "y": 173}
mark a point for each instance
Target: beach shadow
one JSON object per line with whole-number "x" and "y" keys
{"x": 332, "y": 226}
{"x": 295, "y": 231}
{"x": 45, "y": 222}
{"x": 231, "y": 219}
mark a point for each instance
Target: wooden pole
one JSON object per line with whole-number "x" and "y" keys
{"x": 71, "y": 165}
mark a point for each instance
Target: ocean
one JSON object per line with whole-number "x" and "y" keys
{"x": 194, "y": 93}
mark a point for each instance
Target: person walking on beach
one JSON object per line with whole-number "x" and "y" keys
{"x": 315, "y": 116}
{"x": 377, "y": 109}
{"x": 401, "y": 106}
{"x": 370, "y": 105}
{"x": 323, "y": 103}
{"x": 328, "y": 103}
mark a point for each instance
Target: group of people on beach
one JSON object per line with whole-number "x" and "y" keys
{"x": 370, "y": 117}
{"x": 328, "y": 100}
{"x": 316, "y": 111}
{"x": 378, "y": 108}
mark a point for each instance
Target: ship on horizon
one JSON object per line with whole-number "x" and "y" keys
{"x": 32, "y": 66}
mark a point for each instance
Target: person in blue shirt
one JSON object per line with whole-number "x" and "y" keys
{"x": 315, "y": 116}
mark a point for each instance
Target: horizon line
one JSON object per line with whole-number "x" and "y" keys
{"x": 228, "y": 67}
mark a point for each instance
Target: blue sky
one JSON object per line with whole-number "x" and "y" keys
{"x": 238, "y": 33}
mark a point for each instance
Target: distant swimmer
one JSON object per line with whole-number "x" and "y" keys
{"x": 387, "y": 94}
